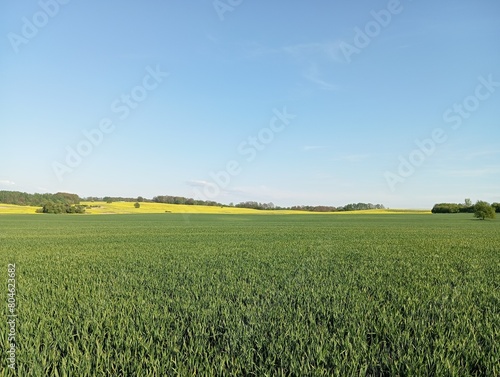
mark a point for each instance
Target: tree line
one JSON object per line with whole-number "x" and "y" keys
{"x": 51, "y": 207}
{"x": 62, "y": 202}
{"x": 460, "y": 208}
{"x": 347, "y": 207}
{"x": 482, "y": 210}
{"x": 37, "y": 200}
{"x": 170, "y": 199}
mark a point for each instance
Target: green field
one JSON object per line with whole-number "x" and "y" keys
{"x": 283, "y": 295}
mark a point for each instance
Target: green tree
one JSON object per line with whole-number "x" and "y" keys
{"x": 137, "y": 205}
{"x": 496, "y": 206}
{"x": 446, "y": 208}
{"x": 483, "y": 210}
{"x": 55, "y": 207}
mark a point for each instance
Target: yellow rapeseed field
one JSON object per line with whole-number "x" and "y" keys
{"x": 128, "y": 208}
{"x": 10, "y": 208}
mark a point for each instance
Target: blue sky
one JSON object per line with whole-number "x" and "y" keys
{"x": 291, "y": 102}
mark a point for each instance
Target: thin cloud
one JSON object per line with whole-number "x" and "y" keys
{"x": 303, "y": 52}
{"x": 311, "y": 55}
{"x": 221, "y": 192}
{"x": 199, "y": 183}
{"x": 308, "y": 148}
{"x": 466, "y": 173}
{"x": 212, "y": 38}
{"x": 313, "y": 74}
{"x": 352, "y": 157}
{"x": 5, "y": 182}
{"x": 329, "y": 50}
{"x": 265, "y": 193}
{"x": 474, "y": 155}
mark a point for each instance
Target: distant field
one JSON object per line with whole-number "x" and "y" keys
{"x": 194, "y": 294}
{"x": 128, "y": 208}
{"x": 12, "y": 209}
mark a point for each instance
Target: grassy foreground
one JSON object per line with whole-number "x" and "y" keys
{"x": 125, "y": 208}
{"x": 168, "y": 295}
